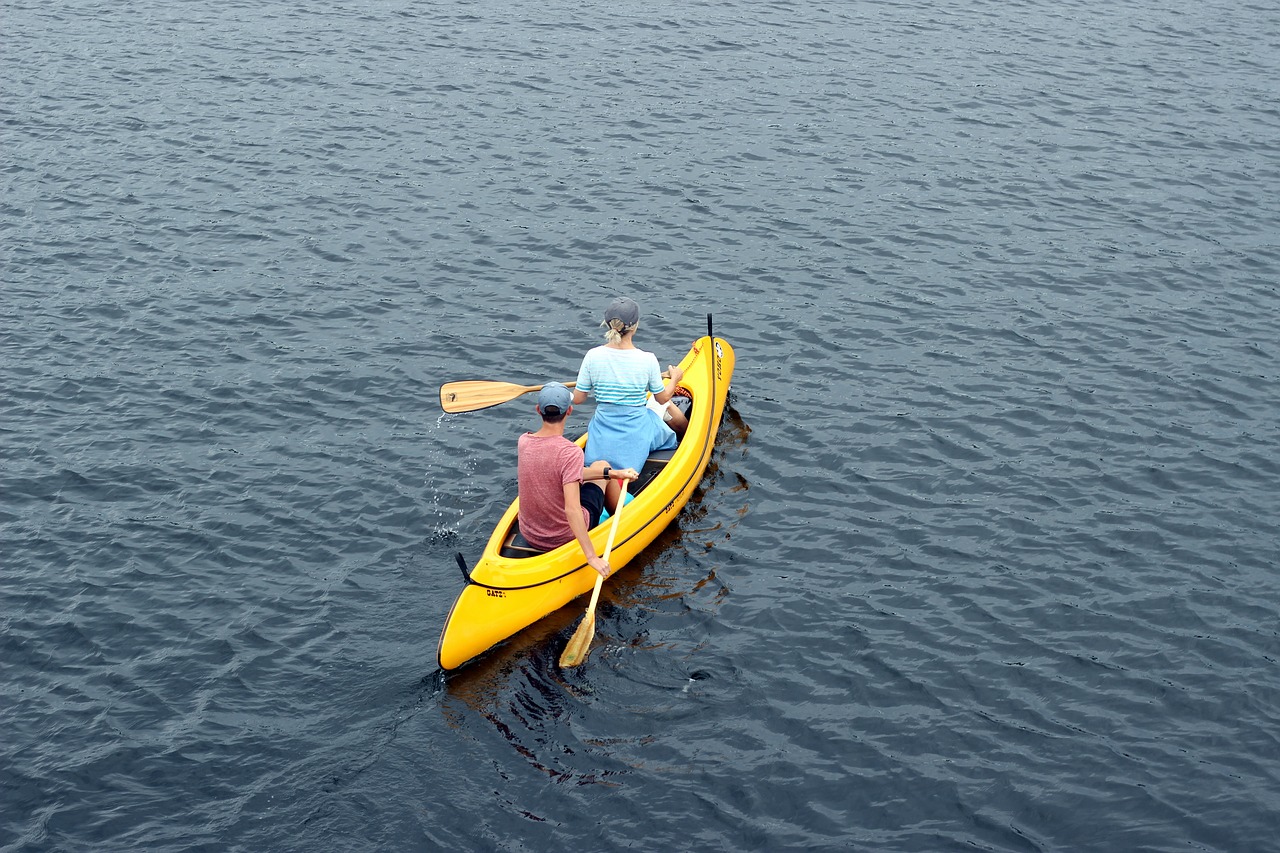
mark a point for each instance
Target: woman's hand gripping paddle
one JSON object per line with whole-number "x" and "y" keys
{"x": 579, "y": 645}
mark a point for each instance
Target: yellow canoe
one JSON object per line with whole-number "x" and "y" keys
{"x": 513, "y": 586}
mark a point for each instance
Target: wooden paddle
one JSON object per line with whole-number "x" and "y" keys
{"x": 471, "y": 395}
{"x": 579, "y": 645}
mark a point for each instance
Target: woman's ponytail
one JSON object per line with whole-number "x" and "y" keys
{"x": 616, "y": 329}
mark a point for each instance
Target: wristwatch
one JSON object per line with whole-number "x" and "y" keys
{"x": 607, "y": 469}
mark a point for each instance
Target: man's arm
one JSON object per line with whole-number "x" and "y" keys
{"x": 600, "y": 470}
{"x": 573, "y": 514}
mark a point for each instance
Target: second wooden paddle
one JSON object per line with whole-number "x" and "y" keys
{"x": 470, "y": 395}
{"x": 579, "y": 645}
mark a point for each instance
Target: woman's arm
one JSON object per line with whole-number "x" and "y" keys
{"x": 675, "y": 374}
{"x": 582, "y": 387}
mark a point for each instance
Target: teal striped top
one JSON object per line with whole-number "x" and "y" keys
{"x": 621, "y": 376}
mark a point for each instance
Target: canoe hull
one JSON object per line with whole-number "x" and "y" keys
{"x": 506, "y": 594}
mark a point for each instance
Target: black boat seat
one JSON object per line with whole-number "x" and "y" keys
{"x": 653, "y": 466}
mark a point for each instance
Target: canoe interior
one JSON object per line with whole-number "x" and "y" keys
{"x": 514, "y": 545}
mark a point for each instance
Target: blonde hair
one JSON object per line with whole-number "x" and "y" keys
{"x": 616, "y": 329}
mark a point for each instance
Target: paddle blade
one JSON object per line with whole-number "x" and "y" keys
{"x": 470, "y": 395}
{"x": 580, "y": 643}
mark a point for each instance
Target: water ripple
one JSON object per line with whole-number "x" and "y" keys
{"x": 985, "y": 556}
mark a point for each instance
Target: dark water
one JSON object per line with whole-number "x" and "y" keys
{"x": 987, "y": 557}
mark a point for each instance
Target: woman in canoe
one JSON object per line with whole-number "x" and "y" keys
{"x": 624, "y": 428}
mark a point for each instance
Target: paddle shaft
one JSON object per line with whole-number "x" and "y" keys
{"x": 575, "y": 651}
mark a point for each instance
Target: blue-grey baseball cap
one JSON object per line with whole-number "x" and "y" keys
{"x": 554, "y": 395}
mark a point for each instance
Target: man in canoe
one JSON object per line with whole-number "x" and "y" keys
{"x": 560, "y": 498}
